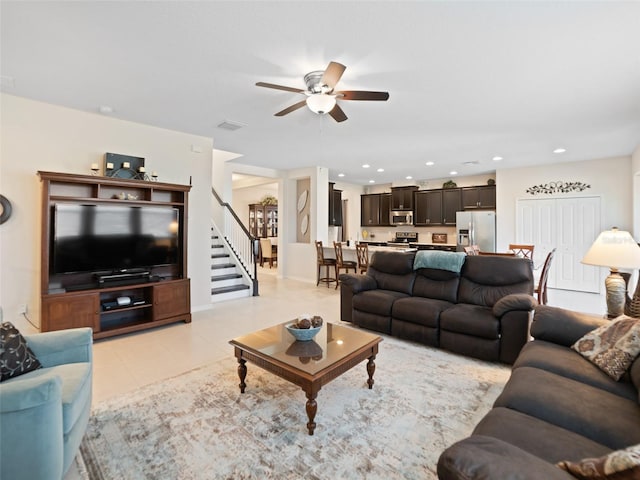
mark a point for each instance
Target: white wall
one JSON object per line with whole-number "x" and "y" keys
{"x": 609, "y": 178}
{"x": 39, "y": 136}
{"x": 635, "y": 170}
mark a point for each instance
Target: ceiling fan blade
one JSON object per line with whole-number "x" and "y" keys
{"x": 279, "y": 87}
{"x": 338, "y": 114}
{"x": 362, "y": 95}
{"x": 332, "y": 74}
{"x": 292, "y": 108}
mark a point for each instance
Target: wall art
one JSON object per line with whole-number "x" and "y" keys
{"x": 557, "y": 187}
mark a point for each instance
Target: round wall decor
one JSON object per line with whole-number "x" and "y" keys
{"x": 5, "y": 205}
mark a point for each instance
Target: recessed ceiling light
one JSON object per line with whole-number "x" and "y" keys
{"x": 560, "y": 150}
{"x": 408, "y": 177}
{"x": 341, "y": 174}
{"x": 496, "y": 159}
{"x": 428, "y": 164}
{"x": 105, "y": 109}
{"x": 372, "y": 181}
{"x": 380, "y": 170}
{"x": 453, "y": 172}
{"x": 366, "y": 165}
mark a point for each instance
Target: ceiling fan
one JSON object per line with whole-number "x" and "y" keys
{"x": 321, "y": 96}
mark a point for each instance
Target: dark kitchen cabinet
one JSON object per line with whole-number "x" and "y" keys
{"x": 402, "y": 198}
{"x": 479, "y": 197}
{"x": 369, "y": 210}
{"x": 428, "y": 208}
{"x": 335, "y": 206}
{"x": 374, "y": 210}
{"x": 451, "y": 203}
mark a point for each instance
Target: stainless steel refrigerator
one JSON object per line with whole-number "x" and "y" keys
{"x": 476, "y": 228}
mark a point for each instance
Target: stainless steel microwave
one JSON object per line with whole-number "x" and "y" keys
{"x": 403, "y": 217}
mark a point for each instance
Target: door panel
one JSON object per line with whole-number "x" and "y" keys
{"x": 568, "y": 224}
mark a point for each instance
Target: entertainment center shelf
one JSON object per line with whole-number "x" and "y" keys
{"x": 86, "y": 279}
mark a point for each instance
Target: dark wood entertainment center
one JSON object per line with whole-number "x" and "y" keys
{"x": 159, "y": 296}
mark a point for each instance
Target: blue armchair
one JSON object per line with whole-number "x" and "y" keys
{"x": 44, "y": 413}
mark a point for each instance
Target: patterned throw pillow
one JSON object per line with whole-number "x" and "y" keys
{"x": 16, "y": 357}
{"x": 618, "y": 465}
{"x": 612, "y": 347}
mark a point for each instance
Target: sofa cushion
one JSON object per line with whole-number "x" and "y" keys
{"x": 76, "y": 389}
{"x": 618, "y": 465}
{"x": 486, "y": 279}
{"x": 602, "y": 416}
{"x": 437, "y": 284}
{"x": 543, "y": 439}
{"x": 393, "y": 270}
{"x": 634, "y": 373}
{"x": 568, "y": 363}
{"x": 561, "y": 326}
{"x": 487, "y": 458}
{"x": 16, "y": 358}
{"x": 612, "y": 347}
{"x": 472, "y": 320}
{"x": 377, "y": 301}
{"x": 419, "y": 310}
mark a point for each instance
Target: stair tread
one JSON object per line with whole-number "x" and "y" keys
{"x": 220, "y": 255}
{"x": 231, "y": 288}
{"x": 222, "y": 265}
{"x": 230, "y": 276}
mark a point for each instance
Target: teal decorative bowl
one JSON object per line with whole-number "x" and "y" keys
{"x": 302, "y": 334}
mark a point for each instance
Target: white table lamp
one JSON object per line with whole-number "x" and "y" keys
{"x": 614, "y": 249}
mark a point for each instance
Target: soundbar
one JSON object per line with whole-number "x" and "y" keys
{"x": 114, "y": 277}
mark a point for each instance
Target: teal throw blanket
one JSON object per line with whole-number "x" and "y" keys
{"x": 441, "y": 260}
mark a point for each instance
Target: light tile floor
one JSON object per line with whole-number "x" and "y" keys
{"x": 128, "y": 362}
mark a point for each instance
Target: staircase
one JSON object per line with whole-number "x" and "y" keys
{"x": 227, "y": 280}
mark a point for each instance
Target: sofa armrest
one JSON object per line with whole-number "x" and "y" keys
{"x": 31, "y": 431}
{"x": 358, "y": 283}
{"x": 74, "y": 345}
{"x": 481, "y": 457}
{"x": 514, "y": 301}
{"x": 563, "y": 327}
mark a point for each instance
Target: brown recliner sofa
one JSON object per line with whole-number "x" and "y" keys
{"x": 483, "y": 310}
{"x": 557, "y": 406}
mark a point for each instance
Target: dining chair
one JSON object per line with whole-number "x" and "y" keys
{"x": 324, "y": 262}
{"x": 267, "y": 252}
{"x": 541, "y": 289}
{"x": 362, "y": 252}
{"x": 520, "y": 250}
{"x": 341, "y": 263}
{"x": 472, "y": 250}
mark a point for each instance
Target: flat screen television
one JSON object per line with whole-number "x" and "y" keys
{"x": 113, "y": 238}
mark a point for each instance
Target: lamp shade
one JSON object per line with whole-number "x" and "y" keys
{"x": 321, "y": 102}
{"x": 614, "y": 249}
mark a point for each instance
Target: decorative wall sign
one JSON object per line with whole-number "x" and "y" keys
{"x": 557, "y": 187}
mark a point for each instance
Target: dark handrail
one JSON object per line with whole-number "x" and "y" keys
{"x": 252, "y": 239}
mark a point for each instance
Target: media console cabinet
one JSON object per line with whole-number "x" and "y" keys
{"x": 157, "y": 296}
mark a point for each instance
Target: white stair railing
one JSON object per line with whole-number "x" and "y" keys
{"x": 241, "y": 243}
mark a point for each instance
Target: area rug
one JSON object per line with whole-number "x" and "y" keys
{"x": 199, "y": 426}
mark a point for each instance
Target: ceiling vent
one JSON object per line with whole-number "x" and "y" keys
{"x": 231, "y": 125}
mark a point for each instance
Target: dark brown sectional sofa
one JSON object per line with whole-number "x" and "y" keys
{"x": 556, "y": 406}
{"x": 483, "y": 310}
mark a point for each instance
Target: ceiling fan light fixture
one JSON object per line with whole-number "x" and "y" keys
{"x": 321, "y": 103}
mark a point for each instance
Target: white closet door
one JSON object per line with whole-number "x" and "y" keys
{"x": 578, "y": 225}
{"x": 568, "y": 224}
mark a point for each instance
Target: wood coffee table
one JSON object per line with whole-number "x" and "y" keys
{"x": 310, "y": 365}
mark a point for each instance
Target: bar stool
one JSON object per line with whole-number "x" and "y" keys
{"x": 341, "y": 263}
{"x": 324, "y": 262}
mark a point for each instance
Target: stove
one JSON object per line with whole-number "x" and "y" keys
{"x": 403, "y": 238}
